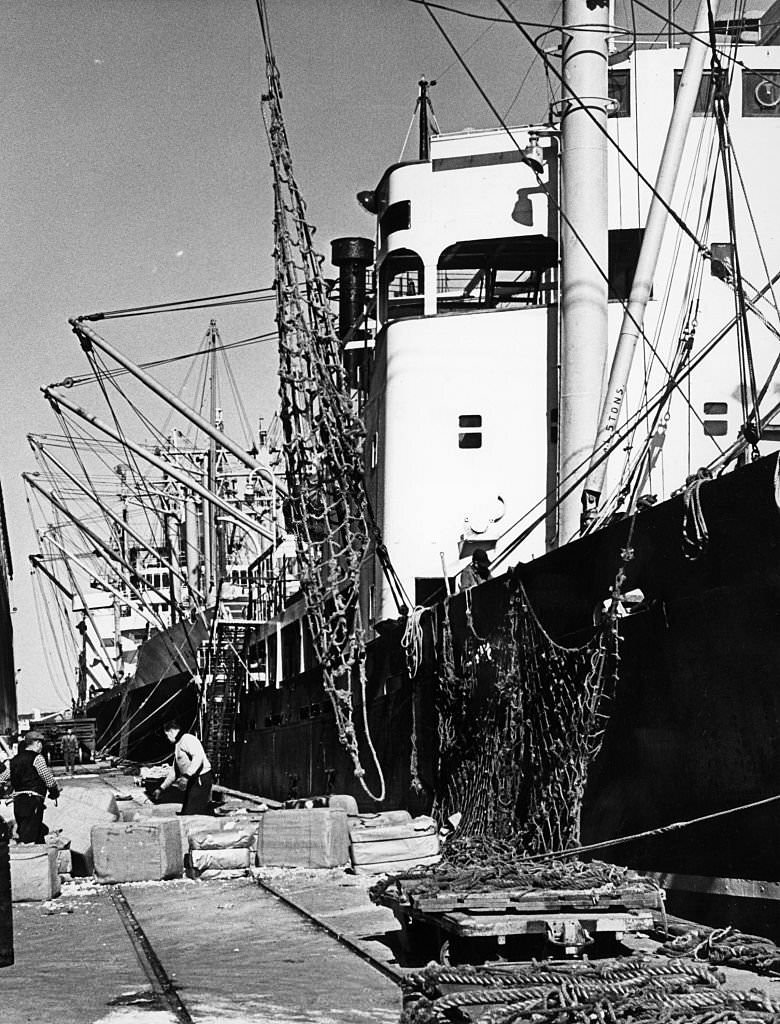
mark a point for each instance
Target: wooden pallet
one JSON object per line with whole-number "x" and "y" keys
{"x": 558, "y": 914}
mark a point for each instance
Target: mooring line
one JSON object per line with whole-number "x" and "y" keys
{"x": 148, "y": 958}
{"x": 392, "y": 973}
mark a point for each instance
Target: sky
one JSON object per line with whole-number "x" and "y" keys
{"x": 135, "y": 170}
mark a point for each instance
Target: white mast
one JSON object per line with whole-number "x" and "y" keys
{"x": 584, "y": 234}
{"x": 657, "y": 217}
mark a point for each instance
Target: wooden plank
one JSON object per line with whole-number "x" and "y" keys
{"x": 492, "y": 925}
{"x": 532, "y": 902}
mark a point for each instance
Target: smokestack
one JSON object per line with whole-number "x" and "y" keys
{"x": 352, "y": 256}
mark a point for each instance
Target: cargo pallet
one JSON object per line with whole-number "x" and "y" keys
{"x": 569, "y": 920}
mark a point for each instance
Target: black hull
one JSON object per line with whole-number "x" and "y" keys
{"x": 129, "y": 718}
{"x": 694, "y": 726}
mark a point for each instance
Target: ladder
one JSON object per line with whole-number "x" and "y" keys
{"x": 228, "y": 682}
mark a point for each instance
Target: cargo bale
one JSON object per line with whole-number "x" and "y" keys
{"x": 138, "y": 851}
{"x": 405, "y": 843}
{"x": 344, "y": 801}
{"x": 315, "y": 838}
{"x": 34, "y": 876}
{"x": 77, "y": 810}
{"x": 199, "y": 862}
{"x": 395, "y": 867}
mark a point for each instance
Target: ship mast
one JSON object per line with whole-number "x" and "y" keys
{"x": 584, "y": 236}
{"x": 210, "y": 544}
{"x": 641, "y": 287}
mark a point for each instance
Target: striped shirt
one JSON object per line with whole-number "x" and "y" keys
{"x": 39, "y": 764}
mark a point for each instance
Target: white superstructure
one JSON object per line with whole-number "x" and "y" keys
{"x": 462, "y": 408}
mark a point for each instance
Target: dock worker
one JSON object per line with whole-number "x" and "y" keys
{"x": 191, "y": 764}
{"x": 31, "y": 779}
{"x": 70, "y": 749}
{"x": 477, "y": 571}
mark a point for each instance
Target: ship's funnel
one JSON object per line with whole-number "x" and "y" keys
{"x": 352, "y": 256}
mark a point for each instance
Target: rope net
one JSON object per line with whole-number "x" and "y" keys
{"x": 520, "y": 720}
{"x": 326, "y": 506}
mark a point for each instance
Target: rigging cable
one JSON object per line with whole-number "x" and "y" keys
{"x": 182, "y": 305}
{"x": 603, "y": 273}
{"x": 751, "y": 426}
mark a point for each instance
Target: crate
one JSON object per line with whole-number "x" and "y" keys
{"x": 138, "y": 851}
{"x": 34, "y": 875}
{"x": 311, "y": 838}
{"x": 393, "y": 848}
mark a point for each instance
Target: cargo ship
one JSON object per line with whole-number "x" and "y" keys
{"x": 560, "y": 350}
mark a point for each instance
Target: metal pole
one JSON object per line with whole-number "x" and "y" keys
{"x": 647, "y": 263}
{"x": 89, "y": 337}
{"x": 122, "y": 522}
{"x": 584, "y": 241}
{"x": 57, "y": 398}
{"x": 107, "y": 551}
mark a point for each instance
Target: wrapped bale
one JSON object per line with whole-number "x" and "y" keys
{"x": 205, "y": 864}
{"x": 379, "y": 849}
{"x": 34, "y": 875}
{"x": 138, "y": 851}
{"x": 344, "y": 801}
{"x": 312, "y": 838}
{"x": 224, "y": 835}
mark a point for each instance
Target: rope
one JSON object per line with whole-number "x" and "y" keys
{"x": 695, "y": 535}
{"x": 412, "y": 639}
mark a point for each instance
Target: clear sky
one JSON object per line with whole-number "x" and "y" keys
{"x": 134, "y": 170}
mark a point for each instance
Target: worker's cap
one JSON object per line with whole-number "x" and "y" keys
{"x": 33, "y": 737}
{"x": 480, "y": 555}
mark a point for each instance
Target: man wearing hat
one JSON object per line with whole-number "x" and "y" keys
{"x": 477, "y": 571}
{"x": 31, "y": 779}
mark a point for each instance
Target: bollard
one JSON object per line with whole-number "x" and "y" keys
{"x": 6, "y": 914}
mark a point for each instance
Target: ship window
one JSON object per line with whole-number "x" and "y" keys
{"x": 715, "y": 428}
{"x": 497, "y": 273}
{"x": 470, "y": 432}
{"x": 165, "y": 580}
{"x": 619, "y": 90}
{"x": 703, "y": 104}
{"x": 397, "y": 217}
{"x": 401, "y": 285}
{"x": 718, "y": 427}
{"x": 291, "y": 650}
{"x": 761, "y": 93}
{"x": 624, "y": 246}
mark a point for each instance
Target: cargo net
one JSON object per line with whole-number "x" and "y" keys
{"x": 520, "y": 721}
{"x": 326, "y": 506}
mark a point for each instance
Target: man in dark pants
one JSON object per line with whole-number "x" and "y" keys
{"x": 190, "y": 763}
{"x": 70, "y": 748}
{"x": 30, "y": 779}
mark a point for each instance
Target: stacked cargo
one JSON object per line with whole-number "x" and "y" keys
{"x": 34, "y": 876}
{"x": 392, "y": 842}
{"x": 137, "y": 851}
{"x": 316, "y": 837}
{"x": 221, "y": 848}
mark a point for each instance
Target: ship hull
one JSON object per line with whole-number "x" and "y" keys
{"x": 694, "y": 724}
{"x": 129, "y": 718}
